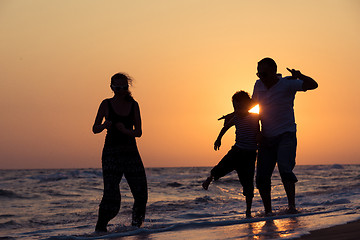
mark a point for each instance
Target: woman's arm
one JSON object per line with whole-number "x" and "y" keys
{"x": 98, "y": 126}
{"x": 137, "y": 118}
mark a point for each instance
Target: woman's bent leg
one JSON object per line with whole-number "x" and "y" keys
{"x": 136, "y": 178}
{"x": 110, "y": 204}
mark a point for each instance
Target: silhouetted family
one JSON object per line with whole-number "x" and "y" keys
{"x": 275, "y": 143}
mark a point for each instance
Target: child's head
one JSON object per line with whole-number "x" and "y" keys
{"x": 241, "y": 101}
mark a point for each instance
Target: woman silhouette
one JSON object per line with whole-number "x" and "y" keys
{"x": 120, "y": 154}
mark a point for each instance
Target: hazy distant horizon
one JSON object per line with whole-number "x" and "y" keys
{"x": 99, "y": 168}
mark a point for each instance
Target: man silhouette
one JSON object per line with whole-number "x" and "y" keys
{"x": 276, "y": 95}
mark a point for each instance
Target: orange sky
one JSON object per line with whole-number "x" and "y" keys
{"x": 187, "y": 59}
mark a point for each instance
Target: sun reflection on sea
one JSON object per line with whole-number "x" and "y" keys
{"x": 256, "y": 228}
{"x": 287, "y": 227}
{"x": 280, "y": 228}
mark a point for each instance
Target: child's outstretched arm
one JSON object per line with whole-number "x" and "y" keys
{"x": 226, "y": 127}
{"x": 227, "y": 117}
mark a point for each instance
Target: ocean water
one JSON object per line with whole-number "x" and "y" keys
{"x": 63, "y": 204}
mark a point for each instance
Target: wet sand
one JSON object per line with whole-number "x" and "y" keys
{"x": 349, "y": 231}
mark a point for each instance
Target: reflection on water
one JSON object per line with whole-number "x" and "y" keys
{"x": 262, "y": 230}
{"x": 287, "y": 227}
{"x": 270, "y": 229}
{"x": 255, "y": 229}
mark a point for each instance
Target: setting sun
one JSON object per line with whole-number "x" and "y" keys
{"x": 255, "y": 109}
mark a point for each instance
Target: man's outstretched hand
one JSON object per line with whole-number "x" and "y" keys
{"x": 295, "y": 73}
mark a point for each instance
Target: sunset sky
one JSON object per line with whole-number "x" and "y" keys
{"x": 187, "y": 58}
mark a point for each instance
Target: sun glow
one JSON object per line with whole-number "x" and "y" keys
{"x": 255, "y": 109}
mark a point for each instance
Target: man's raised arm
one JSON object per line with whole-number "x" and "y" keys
{"x": 309, "y": 83}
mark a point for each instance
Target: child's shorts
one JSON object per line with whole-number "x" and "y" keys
{"x": 243, "y": 162}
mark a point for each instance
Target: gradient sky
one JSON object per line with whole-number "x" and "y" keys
{"x": 187, "y": 59}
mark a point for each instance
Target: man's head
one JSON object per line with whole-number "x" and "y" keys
{"x": 267, "y": 69}
{"x": 241, "y": 101}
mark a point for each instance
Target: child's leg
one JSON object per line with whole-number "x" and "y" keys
{"x": 207, "y": 182}
{"x": 245, "y": 170}
{"x": 224, "y": 167}
{"x": 248, "y": 206}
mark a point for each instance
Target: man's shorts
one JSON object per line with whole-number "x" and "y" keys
{"x": 280, "y": 149}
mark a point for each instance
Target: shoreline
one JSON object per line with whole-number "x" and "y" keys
{"x": 347, "y": 231}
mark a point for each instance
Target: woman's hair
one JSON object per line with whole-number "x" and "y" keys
{"x": 124, "y": 76}
{"x": 121, "y": 76}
